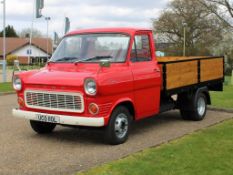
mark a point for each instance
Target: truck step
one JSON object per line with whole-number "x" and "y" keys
{"x": 167, "y": 107}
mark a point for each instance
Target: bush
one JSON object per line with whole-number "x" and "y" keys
{"x": 10, "y": 59}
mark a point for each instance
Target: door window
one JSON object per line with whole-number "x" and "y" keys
{"x": 141, "y": 49}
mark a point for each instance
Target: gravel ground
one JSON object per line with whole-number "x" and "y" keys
{"x": 67, "y": 151}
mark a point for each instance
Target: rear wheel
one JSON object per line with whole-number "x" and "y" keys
{"x": 197, "y": 107}
{"x": 118, "y": 128}
{"x": 41, "y": 127}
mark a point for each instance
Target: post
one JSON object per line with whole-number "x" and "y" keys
{"x": 47, "y": 20}
{"x": 184, "y": 47}
{"x": 184, "y": 42}
{"x": 30, "y": 41}
{"x": 4, "y": 66}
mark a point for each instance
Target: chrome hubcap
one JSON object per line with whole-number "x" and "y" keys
{"x": 201, "y": 106}
{"x": 121, "y": 126}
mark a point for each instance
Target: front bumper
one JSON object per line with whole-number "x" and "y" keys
{"x": 64, "y": 120}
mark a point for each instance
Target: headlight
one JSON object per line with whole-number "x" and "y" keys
{"x": 17, "y": 83}
{"x": 90, "y": 87}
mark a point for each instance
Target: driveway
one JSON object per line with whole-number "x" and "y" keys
{"x": 67, "y": 151}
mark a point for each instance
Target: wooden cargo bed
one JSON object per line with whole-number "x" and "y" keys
{"x": 181, "y": 73}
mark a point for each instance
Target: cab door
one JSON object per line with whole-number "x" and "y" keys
{"x": 146, "y": 75}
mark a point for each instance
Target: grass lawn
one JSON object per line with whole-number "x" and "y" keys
{"x": 227, "y": 79}
{"x": 223, "y": 99}
{"x": 208, "y": 152}
{"x": 6, "y": 87}
{"x": 26, "y": 67}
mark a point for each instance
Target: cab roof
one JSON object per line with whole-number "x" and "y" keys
{"x": 129, "y": 31}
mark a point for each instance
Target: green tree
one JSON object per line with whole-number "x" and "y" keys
{"x": 25, "y": 33}
{"x": 223, "y": 9}
{"x": 203, "y": 29}
{"x": 225, "y": 48}
{"x": 10, "y": 32}
{"x": 10, "y": 59}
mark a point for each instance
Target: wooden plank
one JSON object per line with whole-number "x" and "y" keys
{"x": 183, "y": 67}
{"x": 182, "y": 74}
{"x": 179, "y": 81}
{"x": 211, "y": 69}
{"x": 168, "y": 59}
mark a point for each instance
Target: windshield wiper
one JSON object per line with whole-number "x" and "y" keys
{"x": 94, "y": 58}
{"x": 66, "y": 59}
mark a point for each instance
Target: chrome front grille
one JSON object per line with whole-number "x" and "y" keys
{"x": 55, "y": 101}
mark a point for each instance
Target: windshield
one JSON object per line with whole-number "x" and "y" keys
{"x": 92, "y": 48}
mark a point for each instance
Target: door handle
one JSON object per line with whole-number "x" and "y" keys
{"x": 157, "y": 70}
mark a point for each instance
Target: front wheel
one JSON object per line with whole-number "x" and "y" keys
{"x": 118, "y": 128}
{"x": 198, "y": 108}
{"x": 42, "y": 127}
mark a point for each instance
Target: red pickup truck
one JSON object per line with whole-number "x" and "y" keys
{"x": 111, "y": 77}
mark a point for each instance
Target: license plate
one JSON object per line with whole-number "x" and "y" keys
{"x": 47, "y": 118}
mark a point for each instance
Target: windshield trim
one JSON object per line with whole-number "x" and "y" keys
{"x": 123, "y": 33}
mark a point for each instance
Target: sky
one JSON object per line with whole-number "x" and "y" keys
{"x": 83, "y": 14}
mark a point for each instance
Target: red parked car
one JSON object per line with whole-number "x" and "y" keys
{"x": 109, "y": 78}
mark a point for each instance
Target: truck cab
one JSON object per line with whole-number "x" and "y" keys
{"x": 96, "y": 78}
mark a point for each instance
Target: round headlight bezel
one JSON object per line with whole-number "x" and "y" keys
{"x": 90, "y": 87}
{"x": 17, "y": 83}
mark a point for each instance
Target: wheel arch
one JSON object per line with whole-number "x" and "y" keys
{"x": 205, "y": 91}
{"x": 191, "y": 97}
{"x": 128, "y": 103}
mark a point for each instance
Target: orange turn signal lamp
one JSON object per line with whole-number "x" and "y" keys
{"x": 93, "y": 109}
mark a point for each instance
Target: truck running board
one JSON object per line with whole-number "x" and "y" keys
{"x": 167, "y": 105}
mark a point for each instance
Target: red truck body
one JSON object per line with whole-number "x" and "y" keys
{"x": 134, "y": 85}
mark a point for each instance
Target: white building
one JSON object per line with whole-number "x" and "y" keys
{"x": 40, "y": 50}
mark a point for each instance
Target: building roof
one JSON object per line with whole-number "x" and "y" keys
{"x": 109, "y": 30}
{"x": 13, "y": 44}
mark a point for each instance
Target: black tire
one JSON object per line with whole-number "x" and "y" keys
{"x": 198, "y": 108}
{"x": 41, "y": 127}
{"x": 120, "y": 116}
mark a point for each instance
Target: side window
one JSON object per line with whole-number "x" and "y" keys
{"x": 141, "y": 49}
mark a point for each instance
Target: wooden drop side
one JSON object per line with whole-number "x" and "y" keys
{"x": 212, "y": 69}
{"x": 179, "y": 72}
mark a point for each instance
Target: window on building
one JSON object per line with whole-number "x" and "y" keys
{"x": 29, "y": 52}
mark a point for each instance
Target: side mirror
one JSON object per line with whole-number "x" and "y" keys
{"x": 105, "y": 63}
{"x": 17, "y": 68}
{"x": 16, "y": 65}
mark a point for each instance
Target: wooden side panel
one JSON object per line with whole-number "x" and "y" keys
{"x": 211, "y": 69}
{"x": 182, "y": 74}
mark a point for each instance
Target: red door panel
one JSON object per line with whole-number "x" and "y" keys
{"x": 146, "y": 88}
{"x": 146, "y": 74}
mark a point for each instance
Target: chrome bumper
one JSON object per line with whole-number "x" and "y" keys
{"x": 64, "y": 120}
